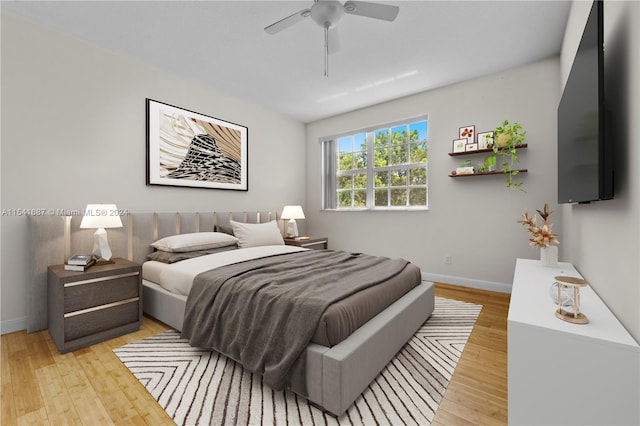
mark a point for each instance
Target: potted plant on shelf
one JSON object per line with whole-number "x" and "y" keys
{"x": 507, "y": 137}
{"x": 490, "y": 163}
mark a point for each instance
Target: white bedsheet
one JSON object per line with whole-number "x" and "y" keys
{"x": 178, "y": 277}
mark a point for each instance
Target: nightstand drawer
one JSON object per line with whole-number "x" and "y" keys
{"x": 84, "y": 294}
{"x": 94, "y": 320}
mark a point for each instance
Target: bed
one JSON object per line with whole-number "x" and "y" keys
{"x": 335, "y": 372}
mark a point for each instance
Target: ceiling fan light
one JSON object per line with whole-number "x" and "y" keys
{"x": 327, "y": 12}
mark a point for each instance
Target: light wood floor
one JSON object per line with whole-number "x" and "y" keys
{"x": 477, "y": 393}
{"x": 91, "y": 387}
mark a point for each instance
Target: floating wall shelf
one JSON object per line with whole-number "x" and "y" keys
{"x": 480, "y": 151}
{"x": 499, "y": 172}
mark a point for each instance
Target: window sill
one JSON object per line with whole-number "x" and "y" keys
{"x": 380, "y": 209}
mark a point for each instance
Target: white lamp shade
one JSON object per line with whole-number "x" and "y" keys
{"x": 292, "y": 212}
{"x": 101, "y": 216}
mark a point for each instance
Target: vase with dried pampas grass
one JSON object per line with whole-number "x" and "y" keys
{"x": 541, "y": 236}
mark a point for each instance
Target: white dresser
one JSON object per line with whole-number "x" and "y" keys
{"x": 562, "y": 373}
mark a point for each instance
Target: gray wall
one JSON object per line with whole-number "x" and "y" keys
{"x": 73, "y": 132}
{"x": 471, "y": 219}
{"x": 603, "y": 239}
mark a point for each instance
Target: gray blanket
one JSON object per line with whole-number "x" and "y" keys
{"x": 263, "y": 313}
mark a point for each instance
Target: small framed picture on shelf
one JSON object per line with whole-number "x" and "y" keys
{"x": 467, "y": 132}
{"x": 485, "y": 140}
{"x": 471, "y": 147}
{"x": 459, "y": 145}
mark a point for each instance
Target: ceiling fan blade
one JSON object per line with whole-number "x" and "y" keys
{"x": 372, "y": 10}
{"x": 333, "y": 41}
{"x": 287, "y": 22}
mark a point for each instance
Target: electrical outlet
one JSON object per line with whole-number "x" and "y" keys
{"x": 447, "y": 259}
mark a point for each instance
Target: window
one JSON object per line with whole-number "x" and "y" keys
{"x": 379, "y": 168}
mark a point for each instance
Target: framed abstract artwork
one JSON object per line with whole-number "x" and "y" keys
{"x": 186, "y": 148}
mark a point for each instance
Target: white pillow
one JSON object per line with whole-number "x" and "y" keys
{"x": 196, "y": 241}
{"x": 257, "y": 234}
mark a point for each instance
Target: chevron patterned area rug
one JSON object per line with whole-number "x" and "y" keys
{"x": 197, "y": 387}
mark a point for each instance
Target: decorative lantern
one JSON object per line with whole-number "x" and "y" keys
{"x": 573, "y": 283}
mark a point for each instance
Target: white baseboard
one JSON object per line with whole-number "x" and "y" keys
{"x": 467, "y": 282}
{"x": 12, "y": 325}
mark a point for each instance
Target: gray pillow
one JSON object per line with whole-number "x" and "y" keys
{"x": 172, "y": 257}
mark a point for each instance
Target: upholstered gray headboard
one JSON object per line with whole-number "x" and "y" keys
{"x": 55, "y": 238}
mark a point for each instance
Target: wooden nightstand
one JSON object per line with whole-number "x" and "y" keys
{"x": 89, "y": 307}
{"x": 312, "y": 243}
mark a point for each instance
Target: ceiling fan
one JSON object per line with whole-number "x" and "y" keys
{"x": 327, "y": 14}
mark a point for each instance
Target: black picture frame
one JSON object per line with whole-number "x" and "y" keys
{"x": 189, "y": 149}
{"x": 468, "y": 132}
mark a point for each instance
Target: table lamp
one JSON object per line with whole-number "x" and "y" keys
{"x": 292, "y": 213}
{"x": 101, "y": 216}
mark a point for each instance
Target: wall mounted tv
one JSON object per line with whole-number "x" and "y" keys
{"x": 585, "y": 147}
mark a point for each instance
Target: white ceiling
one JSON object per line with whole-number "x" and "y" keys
{"x": 222, "y": 44}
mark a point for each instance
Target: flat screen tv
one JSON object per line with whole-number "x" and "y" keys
{"x": 585, "y": 147}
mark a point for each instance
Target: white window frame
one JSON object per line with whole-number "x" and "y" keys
{"x": 330, "y": 174}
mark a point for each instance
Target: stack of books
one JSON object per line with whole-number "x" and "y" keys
{"x": 79, "y": 262}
